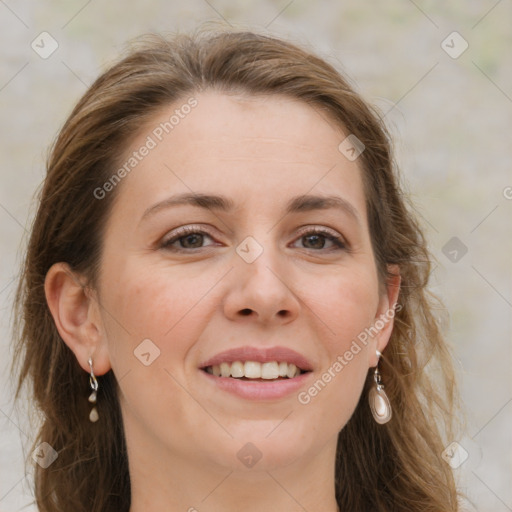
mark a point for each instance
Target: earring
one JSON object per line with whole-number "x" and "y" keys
{"x": 379, "y": 401}
{"x": 93, "y": 415}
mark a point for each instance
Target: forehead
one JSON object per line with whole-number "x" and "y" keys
{"x": 283, "y": 126}
{"x": 253, "y": 148}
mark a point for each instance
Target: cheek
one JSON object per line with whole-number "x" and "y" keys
{"x": 347, "y": 310}
{"x": 148, "y": 304}
{"x": 153, "y": 320}
{"x": 348, "y": 306}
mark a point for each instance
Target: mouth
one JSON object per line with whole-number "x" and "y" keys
{"x": 262, "y": 374}
{"x": 255, "y": 371}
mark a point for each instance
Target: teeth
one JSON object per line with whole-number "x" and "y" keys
{"x": 255, "y": 370}
{"x": 237, "y": 369}
{"x": 252, "y": 370}
{"x": 225, "y": 370}
{"x": 292, "y": 370}
{"x": 269, "y": 370}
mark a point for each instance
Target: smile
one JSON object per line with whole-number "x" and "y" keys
{"x": 270, "y": 370}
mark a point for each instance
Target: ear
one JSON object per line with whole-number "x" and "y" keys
{"x": 76, "y": 313}
{"x": 384, "y": 319}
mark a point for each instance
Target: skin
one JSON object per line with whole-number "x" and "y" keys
{"x": 182, "y": 433}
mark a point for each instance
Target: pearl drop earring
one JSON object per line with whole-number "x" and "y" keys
{"x": 379, "y": 401}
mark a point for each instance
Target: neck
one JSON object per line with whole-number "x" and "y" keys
{"x": 191, "y": 483}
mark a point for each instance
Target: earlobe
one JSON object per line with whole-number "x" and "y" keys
{"x": 76, "y": 317}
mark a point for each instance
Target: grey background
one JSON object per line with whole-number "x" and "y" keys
{"x": 451, "y": 119}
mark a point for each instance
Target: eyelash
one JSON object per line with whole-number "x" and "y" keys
{"x": 339, "y": 243}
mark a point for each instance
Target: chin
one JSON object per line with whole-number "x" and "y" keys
{"x": 259, "y": 451}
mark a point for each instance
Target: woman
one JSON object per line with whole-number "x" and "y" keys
{"x": 224, "y": 300}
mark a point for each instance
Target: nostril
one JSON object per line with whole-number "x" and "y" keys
{"x": 245, "y": 312}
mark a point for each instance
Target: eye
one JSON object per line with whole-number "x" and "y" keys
{"x": 189, "y": 237}
{"x": 315, "y": 239}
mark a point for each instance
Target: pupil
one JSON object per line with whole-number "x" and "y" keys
{"x": 316, "y": 238}
{"x": 192, "y": 236}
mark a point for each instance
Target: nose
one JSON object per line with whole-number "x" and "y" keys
{"x": 262, "y": 290}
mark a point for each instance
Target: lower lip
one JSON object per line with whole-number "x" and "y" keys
{"x": 258, "y": 390}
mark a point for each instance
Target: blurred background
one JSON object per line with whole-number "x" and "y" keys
{"x": 440, "y": 73}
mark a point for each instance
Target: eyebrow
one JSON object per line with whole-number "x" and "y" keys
{"x": 298, "y": 204}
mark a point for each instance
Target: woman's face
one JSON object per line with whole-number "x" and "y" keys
{"x": 250, "y": 274}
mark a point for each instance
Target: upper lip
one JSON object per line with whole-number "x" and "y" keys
{"x": 258, "y": 354}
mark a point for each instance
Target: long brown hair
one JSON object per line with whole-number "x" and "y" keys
{"x": 393, "y": 467}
